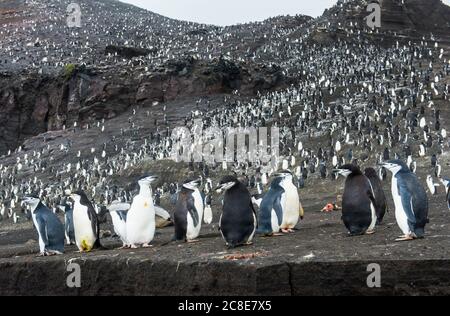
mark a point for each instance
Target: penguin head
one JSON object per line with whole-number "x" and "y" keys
{"x": 285, "y": 174}
{"x": 283, "y": 177}
{"x": 147, "y": 180}
{"x": 227, "y": 183}
{"x": 192, "y": 184}
{"x": 78, "y": 196}
{"x": 395, "y": 166}
{"x": 348, "y": 170}
{"x": 31, "y": 201}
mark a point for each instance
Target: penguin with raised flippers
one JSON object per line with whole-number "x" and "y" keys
{"x": 48, "y": 226}
{"x": 238, "y": 221}
{"x": 411, "y": 200}
{"x": 380, "y": 196}
{"x": 118, "y": 212}
{"x": 358, "y": 202}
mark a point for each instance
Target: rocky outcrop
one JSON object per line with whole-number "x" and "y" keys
{"x": 407, "y": 17}
{"x": 123, "y": 275}
{"x": 32, "y": 104}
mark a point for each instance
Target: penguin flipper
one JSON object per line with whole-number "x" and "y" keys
{"x": 252, "y": 207}
{"x": 94, "y": 222}
{"x": 278, "y": 209}
{"x": 448, "y": 199}
{"x": 193, "y": 210}
{"x": 407, "y": 203}
{"x": 162, "y": 213}
{"x": 42, "y": 231}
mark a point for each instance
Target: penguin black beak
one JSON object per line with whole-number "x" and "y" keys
{"x": 219, "y": 189}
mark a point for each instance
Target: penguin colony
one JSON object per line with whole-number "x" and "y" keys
{"x": 386, "y": 113}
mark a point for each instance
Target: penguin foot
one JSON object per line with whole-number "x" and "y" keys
{"x": 147, "y": 246}
{"x": 133, "y": 247}
{"x": 370, "y": 232}
{"x": 249, "y": 243}
{"x": 276, "y": 235}
{"x": 192, "y": 241}
{"x": 405, "y": 238}
{"x": 123, "y": 247}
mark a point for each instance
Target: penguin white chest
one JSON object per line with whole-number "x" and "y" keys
{"x": 291, "y": 207}
{"x": 41, "y": 242}
{"x": 400, "y": 214}
{"x": 192, "y": 230}
{"x": 140, "y": 226}
{"x": 84, "y": 235}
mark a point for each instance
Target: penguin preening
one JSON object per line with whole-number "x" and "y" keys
{"x": 48, "y": 226}
{"x": 411, "y": 201}
{"x": 189, "y": 212}
{"x": 140, "y": 222}
{"x": 86, "y": 224}
{"x": 380, "y": 197}
{"x": 238, "y": 221}
{"x": 358, "y": 202}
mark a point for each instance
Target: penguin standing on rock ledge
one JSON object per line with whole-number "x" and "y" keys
{"x": 238, "y": 220}
{"x": 280, "y": 208}
{"x": 85, "y": 222}
{"x": 358, "y": 203}
{"x": 48, "y": 226}
{"x": 140, "y": 222}
{"x": 189, "y": 212}
{"x": 411, "y": 201}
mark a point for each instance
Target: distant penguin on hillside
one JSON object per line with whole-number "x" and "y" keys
{"x": 411, "y": 201}
{"x": 446, "y": 183}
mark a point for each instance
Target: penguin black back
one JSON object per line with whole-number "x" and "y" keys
{"x": 357, "y": 201}
{"x": 238, "y": 220}
{"x": 380, "y": 196}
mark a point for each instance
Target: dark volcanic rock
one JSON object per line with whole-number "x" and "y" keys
{"x": 128, "y": 52}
